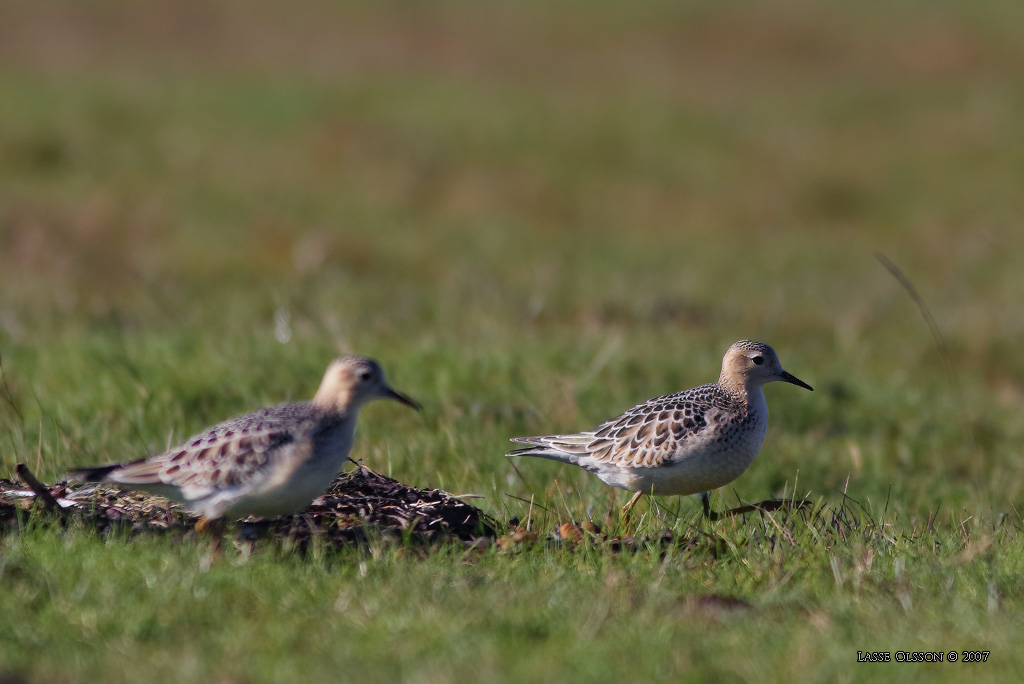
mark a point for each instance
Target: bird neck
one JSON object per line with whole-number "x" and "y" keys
{"x": 745, "y": 392}
{"x": 334, "y": 418}
{"x": 330, "y": 397}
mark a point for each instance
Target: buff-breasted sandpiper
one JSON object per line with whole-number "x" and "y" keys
{"x": 689, "y": 442}
{"x": 267, "y": 463}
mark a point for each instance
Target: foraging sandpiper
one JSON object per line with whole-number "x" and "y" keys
{"x": 689, "y": 442}
{"x": 268, "y": 463}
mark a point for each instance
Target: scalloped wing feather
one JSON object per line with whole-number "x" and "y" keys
{"x": 226, "y": 463}
{"x": 656, "y": 431}
{"x": 226, "y": 455}
{"x": 647, "y": 435}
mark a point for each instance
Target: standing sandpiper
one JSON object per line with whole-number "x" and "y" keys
{"x": 689, "y": 442}
{"x": 270, "y": 462}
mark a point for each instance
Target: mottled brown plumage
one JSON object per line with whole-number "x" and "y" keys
{"x": 684, "y": 443}
{"x": 269, "y": 462}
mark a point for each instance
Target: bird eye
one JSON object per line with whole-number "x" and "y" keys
{"x": 758, "y": 360}
{"x": 364, "y": 374}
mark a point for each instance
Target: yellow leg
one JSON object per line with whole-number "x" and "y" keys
{"x": 629, "y": 506}
{"x": 213, "y": 528}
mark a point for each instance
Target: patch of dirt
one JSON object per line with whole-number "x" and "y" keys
{"x": 359, "y": 505}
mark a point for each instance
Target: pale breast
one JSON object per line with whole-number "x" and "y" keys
{"x": 303, "y": 471}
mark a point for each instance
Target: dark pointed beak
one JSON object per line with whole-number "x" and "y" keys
{"x": 399, "y": 397}
{"x": 793, "y": 380}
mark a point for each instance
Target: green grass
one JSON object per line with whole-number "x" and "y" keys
{"x": 535, "y": 217}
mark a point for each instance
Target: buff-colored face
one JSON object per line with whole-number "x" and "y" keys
{"x": 753, "y": 364}
{"x": 351, "y": 381}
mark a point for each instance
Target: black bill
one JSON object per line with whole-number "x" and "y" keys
{"x": 399, "y": 397}
{"x": 793, "y": 380}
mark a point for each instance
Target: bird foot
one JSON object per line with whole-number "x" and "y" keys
{"x": 629, "y": 506}
{"x": 767, "y": 505}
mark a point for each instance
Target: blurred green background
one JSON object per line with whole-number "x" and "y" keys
{"x": 535, "y": 215}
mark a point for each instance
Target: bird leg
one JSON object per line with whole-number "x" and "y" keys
{"x": 214, "y": 528}
{"x": 705, "y": 502}
{"x": 208, "y": 525}
{"x": 629, "y": 506}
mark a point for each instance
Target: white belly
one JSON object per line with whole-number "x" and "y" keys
{"x": 292, "y": 487}
{"x": 700, "y": 473}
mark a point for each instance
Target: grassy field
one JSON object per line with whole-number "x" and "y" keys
{"x": 534, "y": 216}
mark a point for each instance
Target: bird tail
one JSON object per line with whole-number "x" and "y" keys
{"x": 540, "y": 447}
{"x": 94, "y": 473}
{"x": 140, "y": 472}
